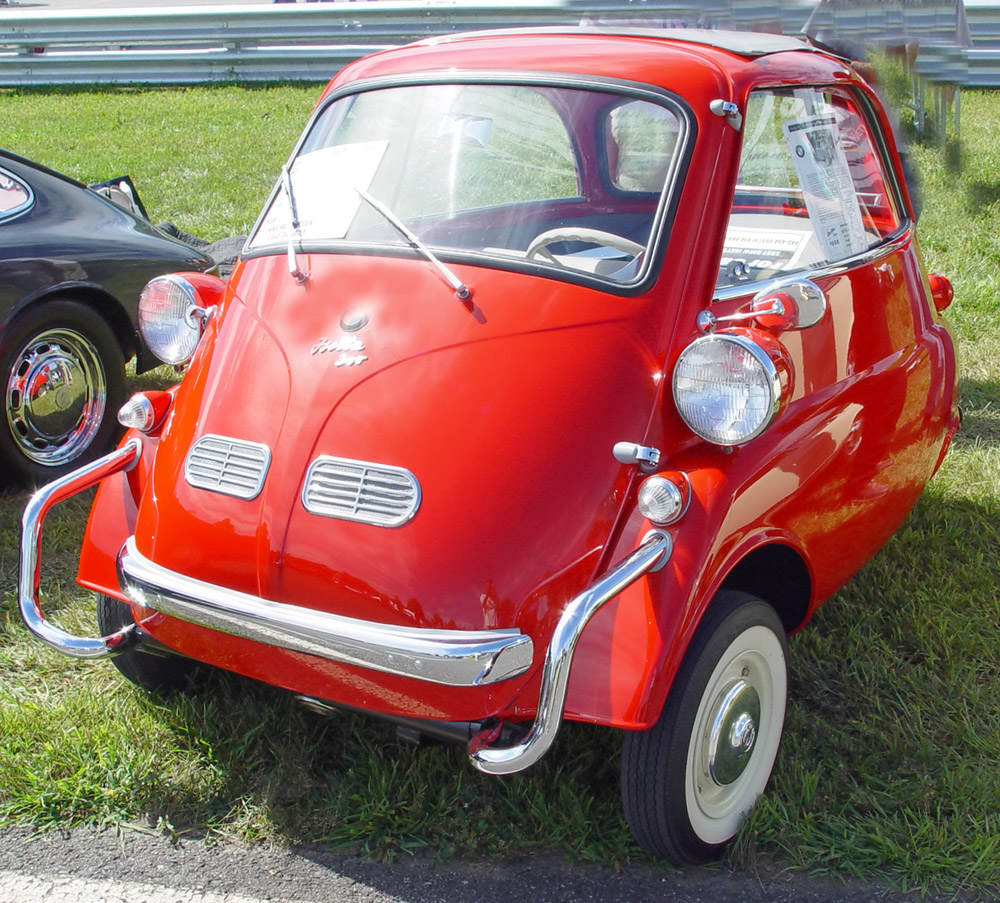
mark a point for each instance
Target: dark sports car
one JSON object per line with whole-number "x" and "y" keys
{"x": 72, "y": 264}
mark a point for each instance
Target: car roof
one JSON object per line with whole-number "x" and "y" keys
{"x": 747, "y": 44}
{"x": 698, "y": 62}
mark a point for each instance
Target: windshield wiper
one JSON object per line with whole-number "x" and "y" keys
{"x": 295, "y": 235}
{"x": 460, "y": 289}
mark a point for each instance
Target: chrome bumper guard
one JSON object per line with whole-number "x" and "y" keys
{"x": 29, "y": 566}
{"x": 454, "y": 657}
{"x": 458, "y": 658}
{"x": 651, "y": 555}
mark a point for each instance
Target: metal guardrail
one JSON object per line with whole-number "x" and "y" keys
{"x": 312, "y": 41}
{"x": 296, "y": 42}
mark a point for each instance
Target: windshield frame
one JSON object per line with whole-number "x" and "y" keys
{"x": 626, "y": 90}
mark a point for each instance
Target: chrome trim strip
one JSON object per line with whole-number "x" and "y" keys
{"x": 837, "y": 268}
{"x": 460, "y": 658}
{"x": 29, "y": 564}
{"x": 25, "y": 205}
{"x": 652, "y": 554}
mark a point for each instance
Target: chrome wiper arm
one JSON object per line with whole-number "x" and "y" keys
{"x": 460, "y": 289}
{"x": 295, "y": 234}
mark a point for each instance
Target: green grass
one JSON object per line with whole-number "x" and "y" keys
{"x": 888, "y": 768}
{"x": 202, "y": 158}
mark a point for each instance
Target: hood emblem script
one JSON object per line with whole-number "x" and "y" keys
{"x": 348, "y": 348}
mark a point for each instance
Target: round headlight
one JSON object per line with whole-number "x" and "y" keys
{"x": 167, "y": 318}
{"x": 726, "y": 388}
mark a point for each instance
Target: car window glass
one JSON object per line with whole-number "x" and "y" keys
{"x": 811, "y": 188}
{"x": 15, "y": 196}
{"x": 501, "y": 144}
{"x": 641, "y": 142}
{"x": 514, "y": 174}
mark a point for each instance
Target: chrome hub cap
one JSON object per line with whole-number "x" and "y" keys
{"x": 733, "y": 733}
{"x": 55, "y": 397}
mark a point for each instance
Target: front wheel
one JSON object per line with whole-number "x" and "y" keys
{"x": 156, "y": 672}
{"x": 688, "y": 782}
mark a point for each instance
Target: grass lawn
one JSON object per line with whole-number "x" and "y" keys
{"x": 889, "y": 766}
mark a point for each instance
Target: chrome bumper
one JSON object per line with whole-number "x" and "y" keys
{"x": 651, "y": 555}
{"x": 29, "y": 564}
{"x": 459, "y": 658}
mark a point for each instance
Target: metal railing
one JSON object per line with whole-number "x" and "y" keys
{"x": 302, "y": 41}
{"x": 312, "y": 41}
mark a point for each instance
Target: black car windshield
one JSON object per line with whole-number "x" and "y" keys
{"x": 567, "y": 178}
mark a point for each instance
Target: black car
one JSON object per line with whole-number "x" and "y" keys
{"x": 72, "y": 265}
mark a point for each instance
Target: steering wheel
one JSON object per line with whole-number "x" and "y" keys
{"x": 539, "y": 244}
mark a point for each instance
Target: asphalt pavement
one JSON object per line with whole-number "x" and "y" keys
{"x": 145, "y": 866}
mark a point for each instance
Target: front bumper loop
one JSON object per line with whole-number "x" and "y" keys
{"x": 458, "y": 658}
{"x": 29, "y": 564}
{"x": 651, "y": 555}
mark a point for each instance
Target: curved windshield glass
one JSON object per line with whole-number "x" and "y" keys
{"x": 566, "y": 178}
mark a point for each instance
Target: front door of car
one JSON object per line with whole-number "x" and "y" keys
{"x": 816, "y": 199}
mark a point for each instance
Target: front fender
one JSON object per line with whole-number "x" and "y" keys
{"x": 630, "y": 652}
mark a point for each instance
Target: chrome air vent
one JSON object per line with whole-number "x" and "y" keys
{"x": 360, "y": 491}
{"x": 230, "y": 466}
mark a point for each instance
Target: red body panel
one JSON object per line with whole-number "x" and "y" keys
{"x": 508, "y": 413}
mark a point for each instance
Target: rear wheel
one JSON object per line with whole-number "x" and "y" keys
{"x": 689, "y": 781}
{"x": 157, "y": 672}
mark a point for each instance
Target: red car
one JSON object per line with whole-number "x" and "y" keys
{"x": 564, "y": 374}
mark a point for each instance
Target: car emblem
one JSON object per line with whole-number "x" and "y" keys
{"x": 348, "y": 348}
{"x": 353, "y": 320}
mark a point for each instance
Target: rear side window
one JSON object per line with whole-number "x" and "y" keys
{"x": 812, "y": 188}
{"x": 15, "y": 196}
{"x": 642, "y": 140}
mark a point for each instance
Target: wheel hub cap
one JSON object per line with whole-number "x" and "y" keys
{"x": 733, "y": 733}
{"x": 55, "y": 397}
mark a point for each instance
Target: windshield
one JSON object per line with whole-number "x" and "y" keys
{"x": 568, "y": 179}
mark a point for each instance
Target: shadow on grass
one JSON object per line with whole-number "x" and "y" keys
{"x": 982, "y": 194}
{"x": 980, "y": 403}
{"x": 346, "y": 782}
{"x": 915, "y": 632}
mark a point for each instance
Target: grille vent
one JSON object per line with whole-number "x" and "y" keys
{"x": 230, "y": 466}
{"x": 360, "y": 491}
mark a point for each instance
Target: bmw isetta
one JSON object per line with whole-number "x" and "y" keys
{"x": 564, "y": 374}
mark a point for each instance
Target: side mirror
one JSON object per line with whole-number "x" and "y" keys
{"x": 794, "y": 304}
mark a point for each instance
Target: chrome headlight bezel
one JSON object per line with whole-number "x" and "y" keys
{"x": 170, "y": 319}
{"x": 728, "y": 388}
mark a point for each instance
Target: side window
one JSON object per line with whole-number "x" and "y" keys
{"x": 811, "y": 188}
{"x": 641, "y": 145}
{"x": 15, "y": 196}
